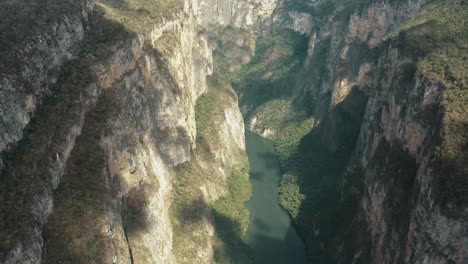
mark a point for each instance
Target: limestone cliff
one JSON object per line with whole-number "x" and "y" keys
{"x": 382, "y": 173}
{"x": 115, "y": 148}
{"x": 98, "y": 105}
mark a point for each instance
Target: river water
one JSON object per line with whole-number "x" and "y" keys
{"x": 271, "y": 235}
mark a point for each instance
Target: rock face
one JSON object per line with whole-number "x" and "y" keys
{"x": 394, "y": 155}
{"x": 94, "y": 119}
{"x": 29, "y": 73}
{"x": 239, "y": 14}
{"x": 388, "y": 187}
{"x": 353, "y": 36}
{"x": 99, "y": 131}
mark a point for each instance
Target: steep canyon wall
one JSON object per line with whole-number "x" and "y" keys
{"x": 98, "y": 110}
{"x": 384, "y": 179}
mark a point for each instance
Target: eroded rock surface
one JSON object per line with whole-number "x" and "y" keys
{"x": 94, "y": 118}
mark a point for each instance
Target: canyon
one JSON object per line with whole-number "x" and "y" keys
{"x": 122, "y": 128}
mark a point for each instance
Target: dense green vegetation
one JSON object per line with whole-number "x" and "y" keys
{"x": 266, "y": 90}
{"x": 288, "y": 124}
{"x": 277, "y": 56}
{"x": 190, "y": 209}
{"x": 232, "y": 219}
{"x": 439, "y": 36}
{"x": 290, "y": 194}
{"x": 210, "y": 109}
{"x": 437, "y": 40}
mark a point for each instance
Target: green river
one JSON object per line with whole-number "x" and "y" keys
{"x": 271, "y": 234}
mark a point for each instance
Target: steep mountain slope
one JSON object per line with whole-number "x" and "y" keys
{"x": 406, "y": 173}
{"x": 116, "y": 148}
{"x": 103, "y": 107}
{"x": 380, "y": 176}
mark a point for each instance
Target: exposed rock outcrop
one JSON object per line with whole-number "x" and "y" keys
{"x": 95, "y": 117}
{"x": 115, "y": 149}
{"x": 387, "y": 177}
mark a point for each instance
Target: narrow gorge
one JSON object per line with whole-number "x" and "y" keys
{"x": 233, "y": 131}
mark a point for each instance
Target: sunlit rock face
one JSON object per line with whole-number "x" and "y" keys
{"x": 296, "y": 21}
{"x": 239, "y": 14}
{"x": 88, "y": 143}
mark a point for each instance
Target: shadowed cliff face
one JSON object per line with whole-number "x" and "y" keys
{"x": 380, "y": 187}
{"x": 369, "y": 125}
{"x": 325, "y": 153}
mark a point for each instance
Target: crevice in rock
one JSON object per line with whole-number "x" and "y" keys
{"x": 126, "y": 236}
{"x": 44, "y": 247}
